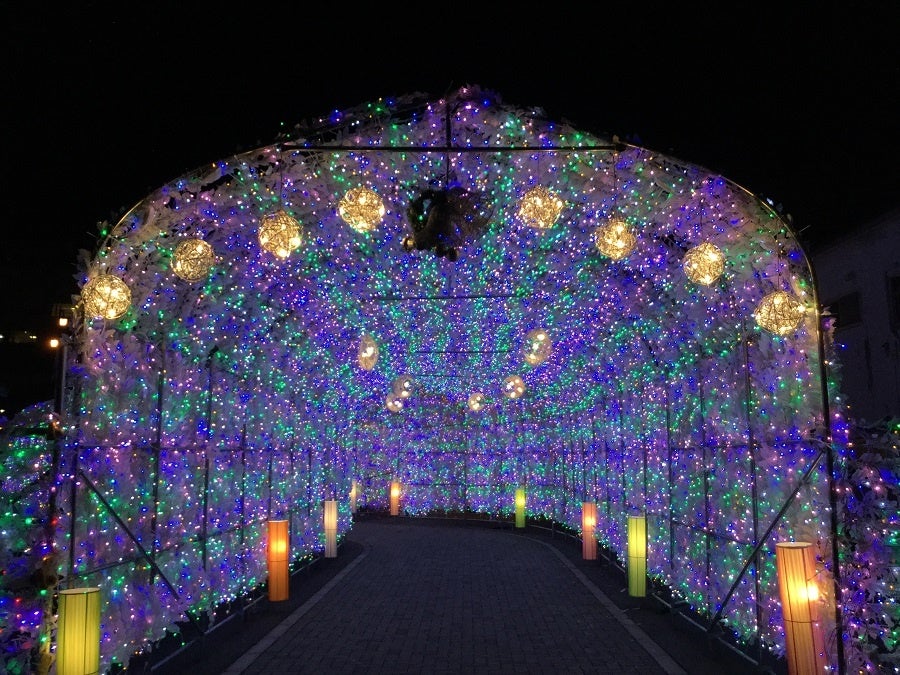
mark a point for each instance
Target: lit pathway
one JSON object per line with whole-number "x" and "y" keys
{"x": 455, "y": 599}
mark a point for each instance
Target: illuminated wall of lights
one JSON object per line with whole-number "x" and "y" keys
{"x": 659, "y": 394}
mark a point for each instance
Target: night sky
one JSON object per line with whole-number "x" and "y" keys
{"x": 798, "y": 104}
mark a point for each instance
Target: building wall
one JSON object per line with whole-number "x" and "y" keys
{"x": 859, "y": 283}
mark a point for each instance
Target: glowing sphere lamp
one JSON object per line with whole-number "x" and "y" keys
{"x": 540, "y": 208}
{"x": 704, "y": 264}
{"x": 361, "y": 208}
{"x": 280, "y": 234}
{"x": 779, "y": 313}
{"x": 192, "y": 260}
{"x": 106, "y": 296}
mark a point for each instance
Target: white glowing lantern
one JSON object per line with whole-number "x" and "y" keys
{"x": 779, "y": 313}
{"x": 280, "y": 234}
{"x": 615, "y": 239}
{"x": 192, "y": 259}
{"x": 403, "y": 386}
{"x": 106, "y": 296}
{"x": 704, "y": 264}
{"x": 513, "y": 387}
{"x": 540, "y": 208}
{"x": 362, "y": 209}
{"x": 476, "y": 401}
{"x": 367, "y": 356}
{"x": 537, "y": 346}
{"x": 393, "y": 402}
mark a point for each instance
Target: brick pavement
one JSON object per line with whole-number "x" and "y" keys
{"x": 410, "y": 595}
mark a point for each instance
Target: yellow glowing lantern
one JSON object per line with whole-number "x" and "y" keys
{"x": 192, "y": 260}
{"x": 354, "y": 495}
{"x": 361, "y": 208}
{"x": 476, "y": 401}
{"x": 403, "y": 386}
{"x": 614, "y": 239}
{"x": 279, "y": 233}
{"x": 393, "y": 402}
{"x": 367, "y": 356}
{"x": 513, "y": 387}
{"x": 588, "y": 525}
{"x": 540, "y": 208}
{"x": 704, "y": 263}
{"x": 395, "y": 498}
{"x": 106, "y": 296}
{"x": 537, "y": 346}
{"x": 520, "y": 507}
{"x": 637, "y": 556}
{"x": 330, "y": 523}
{"x": 795, "y": 563}
{"x": 78, "y": 632}
{"x": 779, "y": 313}
{"x": 277, "y": 554}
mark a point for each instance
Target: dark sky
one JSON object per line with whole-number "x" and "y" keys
{"x": 798, "y": 103}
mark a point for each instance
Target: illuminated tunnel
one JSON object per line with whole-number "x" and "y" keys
{"x": 465, "y": 298}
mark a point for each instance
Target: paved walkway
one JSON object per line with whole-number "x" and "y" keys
{"x": 410, "y": 595}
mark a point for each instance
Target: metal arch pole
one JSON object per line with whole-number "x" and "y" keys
{"x": 831, "y": 465}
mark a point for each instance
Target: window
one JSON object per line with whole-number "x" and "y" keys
{"x": 846, "y": 310}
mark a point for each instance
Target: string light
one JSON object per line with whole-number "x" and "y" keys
{"x": 625, "y": 363}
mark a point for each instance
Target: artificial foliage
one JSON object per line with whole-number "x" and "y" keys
{"x": 210, "y": 405}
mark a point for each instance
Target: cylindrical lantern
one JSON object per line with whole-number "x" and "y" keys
{"x": 354, "y": 495}
{"x": 395, "y": 498}
{"x": 329, "y": 518}
{"x": 796, "y": 565}
{"x": 520, "y": 507}
{"x": 637, "y": 556}
{"x": 78, "y": 632}
{"x": 588, "y": 524}
{"x": 278, "y": 553}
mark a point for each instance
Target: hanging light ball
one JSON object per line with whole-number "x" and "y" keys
{"x": 106, "y": 297}
{"x": 615, "y": 239}
{"x": 779, "y": 313}
{"x": 192, "y": 259}
{"x": 540, "y": 208}
{"x": 393, "y": 402}
{"x": 403, "y": 386}
{"x": 280, "y": 233}
{"x": 513, "y": 387}
{"x": 361, "y": 208}
{"x": 367, "y": 356}
{"x": 537, "y": 346}
{"x": 704, "y": 264}
{"x": 476, "y": 401}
